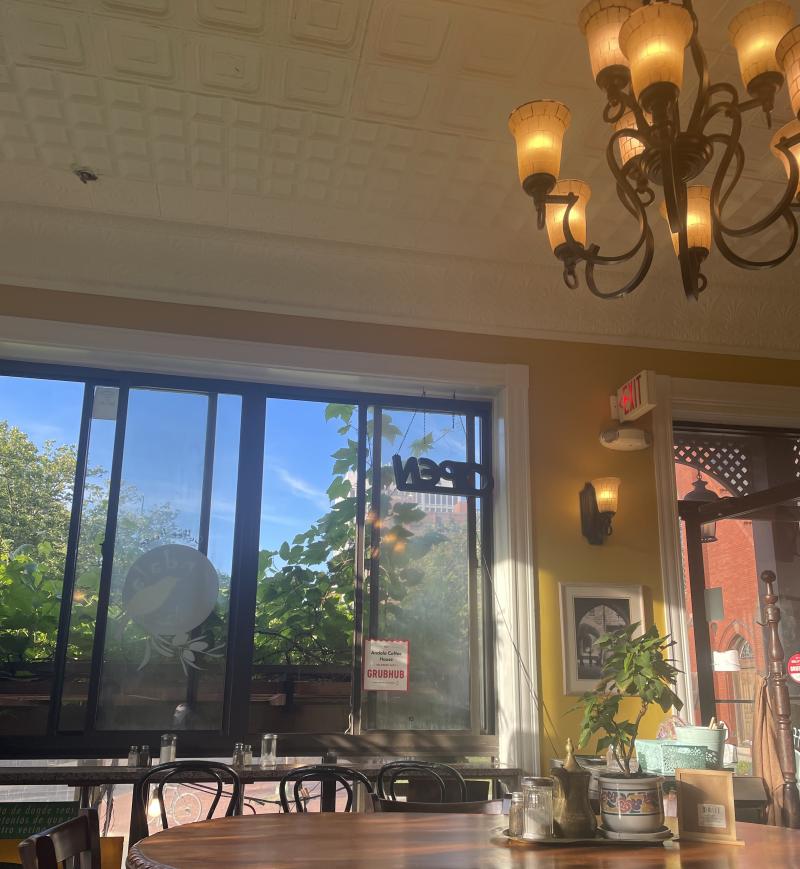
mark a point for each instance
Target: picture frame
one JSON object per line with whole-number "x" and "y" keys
{"x": 587, "y": 611}
{"x": 706, "y": 811}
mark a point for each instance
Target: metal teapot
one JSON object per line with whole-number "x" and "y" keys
{"x": 573, "y": 817}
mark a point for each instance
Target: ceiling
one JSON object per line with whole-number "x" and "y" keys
{"x": 340, "y": 158}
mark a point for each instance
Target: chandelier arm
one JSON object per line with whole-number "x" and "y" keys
{"x": 781, "y": 209}
{"x": 690, "y": 260}
{"x": 630, "y": 201}
{"x": 675, "y": 196}
{"x": 730, "y": 106}
{"x": 626, "y": 101}
{"x": 742, "y": 263}
{"x": 633, "y": 283}
{"x": 701, "y": 65}
{"x": 738, "y": 155}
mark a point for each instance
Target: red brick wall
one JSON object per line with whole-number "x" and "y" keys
{"x": 731, "y": 565}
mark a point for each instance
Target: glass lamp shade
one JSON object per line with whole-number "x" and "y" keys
{"x": 790, "y": 129}
{"x": 788, "y": 56}
{"x": 600, "y": 21}
{"x": 577, "y": 217}
{"x": 606, "y": 491}
{"x": 654, "y": 39}
{"x": 698, "y": 218}
{"x": 755, "y": 33}
{"x": 628, "y": 146}
{"x": 538, "y": 129}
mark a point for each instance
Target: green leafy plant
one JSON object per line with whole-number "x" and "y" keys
{"x": 633, "y": 668}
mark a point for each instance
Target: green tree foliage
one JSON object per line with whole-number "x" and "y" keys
{"x": 306, "y": 588}
{"x": 35, "y": 503}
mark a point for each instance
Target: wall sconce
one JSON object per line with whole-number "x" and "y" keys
{"x": 599, "y": 501}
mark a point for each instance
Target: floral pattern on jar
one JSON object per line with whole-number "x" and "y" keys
{"x": 629, "y": 802}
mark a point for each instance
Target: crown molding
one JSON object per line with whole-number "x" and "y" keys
{"x": 165, "y": 261}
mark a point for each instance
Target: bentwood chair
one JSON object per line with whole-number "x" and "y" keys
{"x": 175, "y": 772}
{"x": 437, "y": 778}
{"x": 325, "y": 774}
{"x": 473, "y": 807}
{"x": 77, "y": 840}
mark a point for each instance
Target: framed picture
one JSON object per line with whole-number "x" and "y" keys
{"x": 588, "y": 612}
{"x": 705, "y": 805}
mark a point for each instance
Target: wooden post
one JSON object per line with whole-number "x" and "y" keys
{"x": 779, "y": 702}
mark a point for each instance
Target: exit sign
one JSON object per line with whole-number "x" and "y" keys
{"x": 636, "y": 397}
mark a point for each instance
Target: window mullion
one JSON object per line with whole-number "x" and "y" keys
{"x": 358, "y": 585}
{"x": 474, "y": 629}
{"x": 244, "y": 576}
{"x": 107, "y": 549}
{"x": 70, "y": 562}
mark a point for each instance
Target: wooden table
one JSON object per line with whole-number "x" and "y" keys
{"x": 368, "y": 841}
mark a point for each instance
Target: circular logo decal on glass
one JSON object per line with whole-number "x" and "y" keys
{"x": 170, "y": 590}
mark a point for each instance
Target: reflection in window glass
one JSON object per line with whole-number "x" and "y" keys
{"x": 94, "y": 511}
{"x": 164, "y": 655}
{"x": 421, "y": 589}
{"x": 303, "y": 640}
{"x": 39, "y": 427}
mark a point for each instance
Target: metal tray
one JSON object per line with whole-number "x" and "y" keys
{"x": 597, "y": 840}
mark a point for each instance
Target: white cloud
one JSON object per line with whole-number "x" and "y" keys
{"x": 302, "y": 488}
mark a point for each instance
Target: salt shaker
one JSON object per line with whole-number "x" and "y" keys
{"x": 237, "y": 760}
{"x": 133, "y": 755}
{"x": 247, "y": 752}
{"x": 516, "y": 815}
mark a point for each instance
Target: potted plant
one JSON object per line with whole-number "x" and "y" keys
{"x": 634, "y": 668}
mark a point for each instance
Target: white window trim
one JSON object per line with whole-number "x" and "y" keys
{"x": 506, "y": 386}
{"x": 708, "y": 401}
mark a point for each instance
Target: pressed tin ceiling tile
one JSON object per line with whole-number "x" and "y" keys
{"x": 381, "y": 123}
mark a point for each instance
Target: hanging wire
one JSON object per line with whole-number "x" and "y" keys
{"x": 537, "y": 700}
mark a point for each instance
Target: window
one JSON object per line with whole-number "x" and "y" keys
{"x": 207, "y": 557}
{"x": 733, "y": 462}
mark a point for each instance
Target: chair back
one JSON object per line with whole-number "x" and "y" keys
{"x": 77, "y": 840}
{"x": 473, "y": 807}
{"x": 446, "y": 779}
{"x": 173, "y": 773}
{"x": 339, "y": 775}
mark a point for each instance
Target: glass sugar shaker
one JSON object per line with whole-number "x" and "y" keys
{"x": 538, "y": 801}
{"x": 516, "y": 815}
{"x": 169, "y": 748}
{"x": 269, "y": 751}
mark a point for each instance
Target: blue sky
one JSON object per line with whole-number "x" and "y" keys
{"x": 164, "y": 447}
{"x": 165, "y": 442}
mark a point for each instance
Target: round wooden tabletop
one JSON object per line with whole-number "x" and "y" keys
{"x": 381, "y": 841}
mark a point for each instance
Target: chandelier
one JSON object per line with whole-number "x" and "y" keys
{"x": 637, "y": 54}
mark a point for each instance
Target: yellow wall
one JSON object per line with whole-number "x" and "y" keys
{"x": 570, "y": 385}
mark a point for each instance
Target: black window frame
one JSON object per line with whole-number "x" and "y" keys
{"x": 90, "y": 742}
